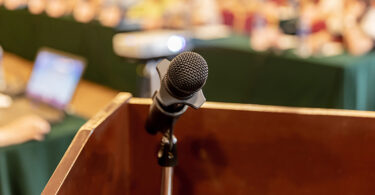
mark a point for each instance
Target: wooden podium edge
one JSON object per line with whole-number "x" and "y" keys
{"x": 273, "y": 109}
{"x": 79, "y": 141}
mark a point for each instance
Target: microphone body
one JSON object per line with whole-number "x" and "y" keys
{"x": 181, "y": 83}
{"x": 162, "y": 118}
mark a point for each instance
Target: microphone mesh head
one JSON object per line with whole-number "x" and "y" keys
{"x": 187, "y": 73}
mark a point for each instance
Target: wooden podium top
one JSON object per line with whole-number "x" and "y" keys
{"x": 223, "y": 149}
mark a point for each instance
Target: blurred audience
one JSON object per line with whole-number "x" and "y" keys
{"x": 311, "y": 27}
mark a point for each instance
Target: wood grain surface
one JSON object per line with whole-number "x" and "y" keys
{"x": 229, "y": 149}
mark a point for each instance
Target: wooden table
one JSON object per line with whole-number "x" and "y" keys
{"x": 26, "y": 168}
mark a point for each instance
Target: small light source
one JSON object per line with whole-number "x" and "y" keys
{"x": 176, "y": 43}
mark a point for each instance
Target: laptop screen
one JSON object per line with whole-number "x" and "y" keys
{"x": 54, "y": 78}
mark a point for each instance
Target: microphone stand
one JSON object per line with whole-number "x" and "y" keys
{"x": 167, "y": 154}
{"x": 167, "y": 159}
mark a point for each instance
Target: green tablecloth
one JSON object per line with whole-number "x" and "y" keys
{"x": 239, "y": 74}
{"x": 26, "y": 168}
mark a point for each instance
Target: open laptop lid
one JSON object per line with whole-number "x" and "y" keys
{"x": 55, "y": 77}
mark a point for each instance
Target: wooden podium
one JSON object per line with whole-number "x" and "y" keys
{"x": 223, "y": 149}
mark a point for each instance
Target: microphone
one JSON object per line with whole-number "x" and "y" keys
{"x": 181, "y": 81}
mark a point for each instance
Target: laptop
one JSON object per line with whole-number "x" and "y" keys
{"x": 50, "y": 88}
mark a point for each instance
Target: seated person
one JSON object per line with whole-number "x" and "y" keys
{"x": 24, "y": 129}
{"x": 368, "y": 21}
{"x": 265, "y": 31}
{"x": 356, "y": 40}
{"x": 313, "y": 30}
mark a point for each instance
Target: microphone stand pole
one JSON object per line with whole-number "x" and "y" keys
{"x": 167, "y": 159}
{"x": 166, "y": 182}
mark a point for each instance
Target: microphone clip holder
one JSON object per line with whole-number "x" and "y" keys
{"x": 167, "y": 154}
